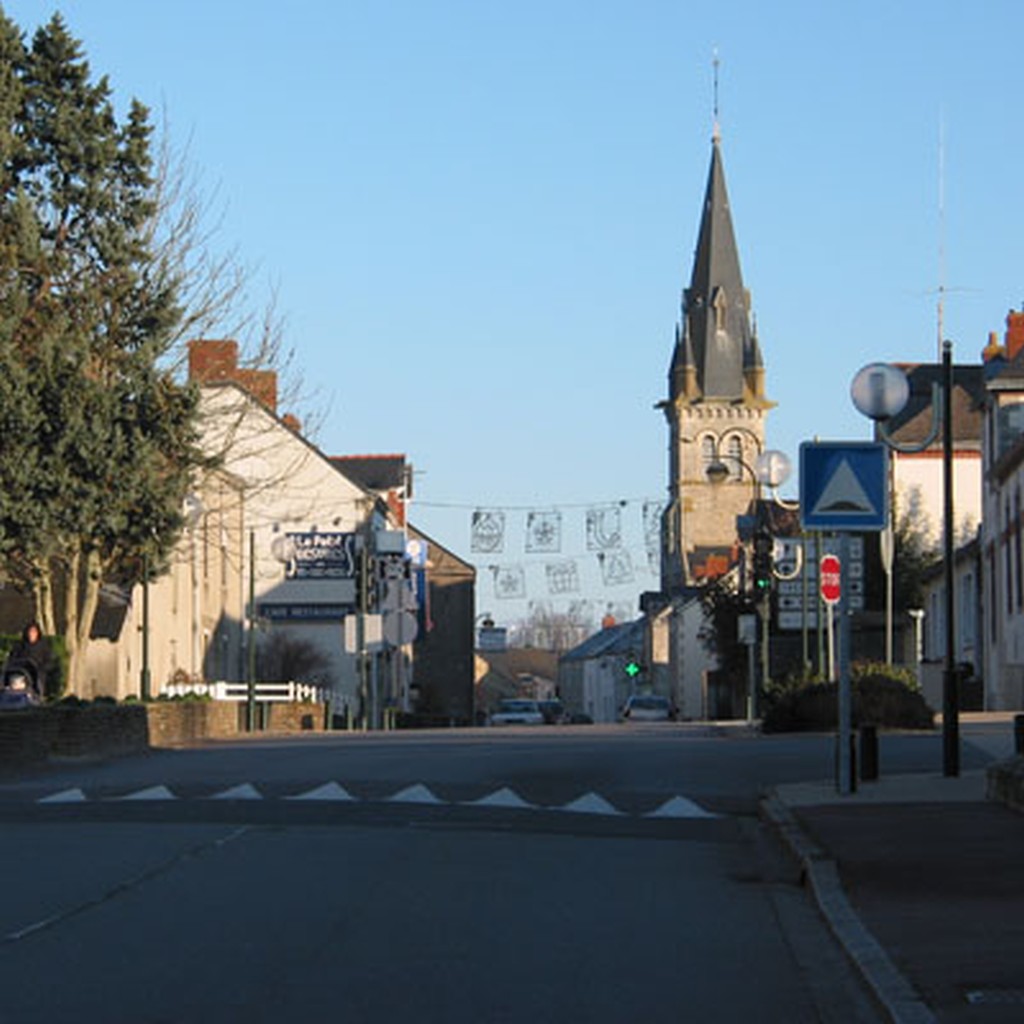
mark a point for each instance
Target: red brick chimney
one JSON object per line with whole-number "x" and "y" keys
{"x": 1014, "y": 334}
{"x": 211, "y": 362}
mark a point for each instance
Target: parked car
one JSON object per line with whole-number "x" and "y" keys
{"x": 553, "y": 712}
{"x": 646, "y": 707}
{"x": 518, "y": 711}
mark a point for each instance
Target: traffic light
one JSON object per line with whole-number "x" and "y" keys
{"x": 763, "y": 550}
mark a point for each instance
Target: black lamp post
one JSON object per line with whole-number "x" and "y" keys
{"x": 881, "y": 391}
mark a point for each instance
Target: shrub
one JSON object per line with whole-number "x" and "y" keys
{"x": 882, "y": 696}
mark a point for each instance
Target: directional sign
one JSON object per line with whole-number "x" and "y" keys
{"x": 831, "y": 579}
{"x": 844, "y": 485}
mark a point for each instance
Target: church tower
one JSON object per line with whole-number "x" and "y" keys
{"x": 716, "y": 402}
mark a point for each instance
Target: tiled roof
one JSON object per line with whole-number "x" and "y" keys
{"x": 914, "y": 423}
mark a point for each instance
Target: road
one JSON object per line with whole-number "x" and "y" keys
{"x": 549, "y": 874}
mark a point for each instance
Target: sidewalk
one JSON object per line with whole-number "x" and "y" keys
{"x": 921, "y": 879}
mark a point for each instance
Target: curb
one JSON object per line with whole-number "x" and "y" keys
{"x": 894, "y": 994}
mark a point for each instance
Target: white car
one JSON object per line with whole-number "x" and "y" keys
{"x": 518, "y": 711}
{"x": 646, "y": 707}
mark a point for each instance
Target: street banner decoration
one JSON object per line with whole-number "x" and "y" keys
{"x": 488, "y": 531}
{"x": 544, "y": 533}
{"x": 509, "y": 581}
{"x": 604, "y": 527}
{"x": 563, "y": 577}
{"x": 616, "y": 567}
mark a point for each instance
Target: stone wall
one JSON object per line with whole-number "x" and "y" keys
{"x": 35, "y": 735}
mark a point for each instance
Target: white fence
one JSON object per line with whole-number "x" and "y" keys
{"x": 270, "y": 693}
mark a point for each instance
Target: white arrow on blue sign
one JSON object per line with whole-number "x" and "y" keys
{"x": 844, "y": 485}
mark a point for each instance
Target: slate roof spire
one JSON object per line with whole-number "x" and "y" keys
{"x": 716, "y": 354}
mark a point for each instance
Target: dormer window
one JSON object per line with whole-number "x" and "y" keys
{"x": 719, "y": 304}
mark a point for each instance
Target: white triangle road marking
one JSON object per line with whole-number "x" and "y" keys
{"x": 150, "y": 793}
{"x": 590, "y": 803}
{"x": 503, "y": 797}
{"x": 680, "y": 807}
{"x": 245, "y": 791}
{"x": 418, "y": 794}
{"x": 328, "y": 791}
{"x": 65, "y": 796}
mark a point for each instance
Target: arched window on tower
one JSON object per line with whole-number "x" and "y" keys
{"x": 708, "y": 454}
{"x": 735, "y": 458}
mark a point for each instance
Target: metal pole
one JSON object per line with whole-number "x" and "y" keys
{"x": 145, "y": 688}
{"x": 805, "y": 596}
{"x": 251, "y": 674}
{"x": 844, "y": 760}
{"x": 950, "y": 682}
{"x": 751, "y": 682}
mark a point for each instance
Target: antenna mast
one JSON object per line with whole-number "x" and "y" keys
{"x": 716, "y": 133}
{"x": 942, "y": 233}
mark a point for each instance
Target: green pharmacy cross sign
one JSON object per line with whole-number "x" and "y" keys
{"x": 633, "y": 668}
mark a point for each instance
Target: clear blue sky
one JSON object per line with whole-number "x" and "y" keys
{"x": 478, "y": 216}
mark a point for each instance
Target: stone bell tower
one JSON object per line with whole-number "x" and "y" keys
{"x": 716, "y": 403}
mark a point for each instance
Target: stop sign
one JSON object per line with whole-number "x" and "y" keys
{"x": 831, "y": 579}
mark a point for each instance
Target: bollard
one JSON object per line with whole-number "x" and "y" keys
{"x": 868, "y": 753}
{"x": 1018, "y": 734}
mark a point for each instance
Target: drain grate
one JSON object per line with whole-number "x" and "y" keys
{"x": 995, "y": 996}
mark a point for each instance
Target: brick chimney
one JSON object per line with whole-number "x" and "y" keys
{"x": 1014, "y": 334}
{"x": 212, "y": 362}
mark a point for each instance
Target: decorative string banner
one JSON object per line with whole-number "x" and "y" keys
{"x": 623, "y": 539}
{"x": 487, "y": 535}
{"x": 509, "y": 581}
{"x": 653, "y": 511}
{"x": 604, "y": 527}
{"x": 616, "y": 567}
{"x": 563, "y": 577}
{"x": 544, "y": 533}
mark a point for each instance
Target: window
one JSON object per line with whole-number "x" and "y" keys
{"x": 1018, "y": 565}
{"x": 968, "y": 607}
{"x": 735, "y": 459}
{"x": 1007, "y": 559}
{"x": 707, "y": 450}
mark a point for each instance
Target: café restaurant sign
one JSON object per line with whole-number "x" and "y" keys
{"x": 321, "y": 556}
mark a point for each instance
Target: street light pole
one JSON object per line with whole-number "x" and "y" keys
{"x": 881, "y": 391}
{"x": 145, "y": 687}
{"x": 950, "y": 681}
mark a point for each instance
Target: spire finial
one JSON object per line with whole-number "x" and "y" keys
{"x": 716, "y": 132}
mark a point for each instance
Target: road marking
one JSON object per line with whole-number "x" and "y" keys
{"x": 245, "y": 791}
{"x": 151, "y": 793}
{"x": 65, "y": 796}
{"x": 503, "y": 797}
{"x": 418, "y": 794}
{"x": 680, "y": 807}
{"x": 590, "y": 803}
{"x": 328, "y": 791}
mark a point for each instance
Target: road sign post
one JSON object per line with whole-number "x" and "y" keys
{"x": 844, "y": 486}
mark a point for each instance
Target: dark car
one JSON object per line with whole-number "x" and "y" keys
{"x": 553, "y": 712}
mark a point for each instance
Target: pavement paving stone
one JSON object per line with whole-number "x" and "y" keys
{"x": 922, "y": 881}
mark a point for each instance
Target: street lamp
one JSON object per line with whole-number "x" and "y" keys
{"x": 881, "y": 391}
{"x": 770, "y": 469}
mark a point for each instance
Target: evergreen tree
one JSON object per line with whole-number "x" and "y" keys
{"x": 99, "y": 438}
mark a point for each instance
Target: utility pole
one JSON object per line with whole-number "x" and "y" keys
{"x": 251, "y": 674}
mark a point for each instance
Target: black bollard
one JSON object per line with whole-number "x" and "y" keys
{"x": 868, "y": 753}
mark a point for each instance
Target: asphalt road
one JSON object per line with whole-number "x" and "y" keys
{"x": 587, "y": 874}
